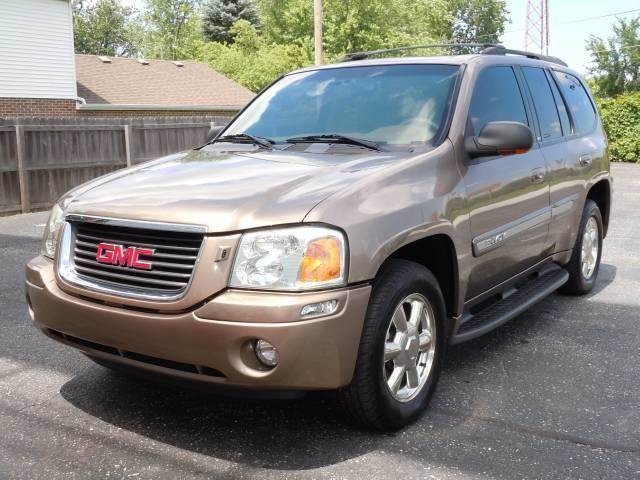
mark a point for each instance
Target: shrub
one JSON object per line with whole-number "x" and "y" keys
{"x": 621, "y": 120}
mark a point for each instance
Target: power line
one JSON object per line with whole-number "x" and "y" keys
{"x": 586, "y": 19}
{"x": 590, "y": 62}
{"x": 614, "y": 50}
{"x": 516, "y": 30}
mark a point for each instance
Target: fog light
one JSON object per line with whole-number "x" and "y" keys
{"x": 321, "y": 308}
{"x": 266, "y": 353}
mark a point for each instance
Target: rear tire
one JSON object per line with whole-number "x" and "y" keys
{"x": 585, "y": 260}
{"x": 398, "y": 367}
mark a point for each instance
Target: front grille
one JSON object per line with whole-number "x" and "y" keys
{"x": 172, "y": 263}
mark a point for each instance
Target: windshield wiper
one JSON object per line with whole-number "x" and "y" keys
{"x": 336, "y": 138}
{"x": 246, "y": 138}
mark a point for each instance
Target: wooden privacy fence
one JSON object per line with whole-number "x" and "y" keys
{"x": 39, "y": 162}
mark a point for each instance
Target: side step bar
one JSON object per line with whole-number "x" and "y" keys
{"x": 513, "y": 302}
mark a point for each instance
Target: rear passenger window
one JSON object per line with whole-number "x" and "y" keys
{"x": 544, "y": 103}
{"x": 496, "y": 98}
{"x": 582, "y": 112}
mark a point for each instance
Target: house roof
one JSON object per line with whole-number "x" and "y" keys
{"x": 116, "y": 82}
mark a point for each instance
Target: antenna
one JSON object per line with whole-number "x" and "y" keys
{"x": 536, "y": 32}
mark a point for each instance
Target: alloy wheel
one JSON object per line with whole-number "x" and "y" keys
{"x": 590, "y": 247}
{"x": 409, "y": 348}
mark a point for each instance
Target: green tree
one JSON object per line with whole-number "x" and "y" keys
{"x": 477, "y": 21}
{"x": 250, "y": 60}
{"x": 348, "y": 26}
{"x": 171, "y": 28}
{"x": 616, "y": 60}
{"x": 104, "y": 28}
{"x": 424, "y": 21}
{"x": 220, "y": 15}
{"x": 370, "y": 24}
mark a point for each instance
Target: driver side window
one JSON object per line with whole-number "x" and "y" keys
{"x": 496, "y": 98}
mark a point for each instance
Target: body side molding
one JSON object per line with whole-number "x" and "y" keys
{"x": 496, "y": 238}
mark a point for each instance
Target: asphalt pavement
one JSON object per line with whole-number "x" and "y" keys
{"x": 553, "y": 394}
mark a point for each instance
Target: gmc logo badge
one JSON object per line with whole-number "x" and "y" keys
{"x": 123, "y": 256}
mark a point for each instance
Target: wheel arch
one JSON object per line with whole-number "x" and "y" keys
{"x": 436, "y": 252}
{"x": 600, "y": 192}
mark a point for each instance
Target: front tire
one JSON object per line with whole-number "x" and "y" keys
{"x": 585, "y": 260}
{"x": 401, "y": 349}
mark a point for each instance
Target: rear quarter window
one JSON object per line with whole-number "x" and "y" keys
{"x": 578, "y": 102}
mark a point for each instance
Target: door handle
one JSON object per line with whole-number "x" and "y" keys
{"x": 537, "y": 175}
{"x": 586, "y": 160}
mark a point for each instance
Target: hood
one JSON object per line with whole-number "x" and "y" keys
{"x": 225, "y": 190}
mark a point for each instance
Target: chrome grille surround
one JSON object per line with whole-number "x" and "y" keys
{"x": 177, "y": 254}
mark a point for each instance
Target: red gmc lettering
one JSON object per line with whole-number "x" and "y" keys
{"x": 123, "y": 256}
{"x": 135, "y": 260}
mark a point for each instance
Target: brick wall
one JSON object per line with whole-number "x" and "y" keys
{"x": 36, "y": 107}
{"x": 55, "y": 108}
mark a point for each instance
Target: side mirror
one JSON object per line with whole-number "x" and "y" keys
{"x": 500, "y": 138}
{"x": 214, "y": 132}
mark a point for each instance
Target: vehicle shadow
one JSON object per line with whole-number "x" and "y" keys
{"x": 304, "y": 433}
{"x": 538, "y": 319}
{"x": 606, "y": 276}
{"x": 309, "y": 432}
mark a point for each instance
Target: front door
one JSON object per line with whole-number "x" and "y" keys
{"x": 508, "y": 196}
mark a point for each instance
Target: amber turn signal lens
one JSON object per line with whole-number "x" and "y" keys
{"x": 321, "y": 260}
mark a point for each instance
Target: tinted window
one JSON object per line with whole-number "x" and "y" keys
{"x": 562, "y": 108}
{"x": 584, "y": 116}
{"x": 496, "y": 98}
{"x": 393, "y": 104}
{"x": 544, "y": 103}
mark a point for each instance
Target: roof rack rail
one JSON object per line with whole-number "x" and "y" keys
{"x": 362, "y": 55}
{"x": 487, "y": 49}
{"x": 501, "y": 50}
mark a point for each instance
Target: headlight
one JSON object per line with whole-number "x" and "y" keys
{"x": 296, "y": 258}
{"x": 56, "y": 219}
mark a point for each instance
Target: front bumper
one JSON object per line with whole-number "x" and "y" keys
{"x": 212, "y": 343}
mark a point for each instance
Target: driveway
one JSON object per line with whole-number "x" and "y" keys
{"x": 553, "y": 394}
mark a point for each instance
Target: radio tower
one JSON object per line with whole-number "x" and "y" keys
{"x": 536, "y": 32}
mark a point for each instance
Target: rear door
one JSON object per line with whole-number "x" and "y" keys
{"x": 552, "y": 135}
{"x": 508, "y": 196}
{"x": 581, "y": 158}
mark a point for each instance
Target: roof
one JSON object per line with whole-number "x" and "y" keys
{"x": 126, "y": 83}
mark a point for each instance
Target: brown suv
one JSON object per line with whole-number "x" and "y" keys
{"x": 347, "y": 225}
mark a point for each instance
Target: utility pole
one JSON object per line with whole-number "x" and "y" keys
{"x": 317, "y": 31}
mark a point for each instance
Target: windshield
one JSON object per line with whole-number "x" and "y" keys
{"x": 387, "y": 104}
